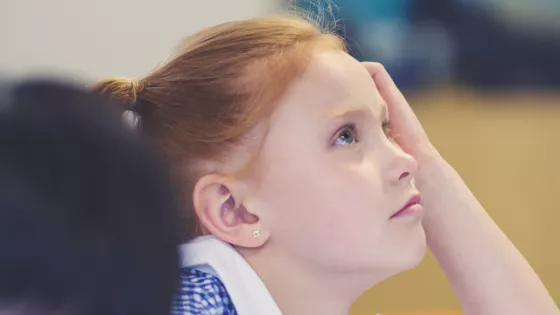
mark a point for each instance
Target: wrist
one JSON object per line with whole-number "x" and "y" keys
{"x": 434, "y": 174}
{"x": 429, "y": 160}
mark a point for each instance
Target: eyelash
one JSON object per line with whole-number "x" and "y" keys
{"x": 352, "y": 128}
{"x": 348, "y": 127}
{"x": 388, "y": 131}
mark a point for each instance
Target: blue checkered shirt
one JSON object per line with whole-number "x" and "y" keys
{"x": 201, "y": 294}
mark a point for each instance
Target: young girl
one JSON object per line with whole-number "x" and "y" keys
{"x": 305, "y": 193}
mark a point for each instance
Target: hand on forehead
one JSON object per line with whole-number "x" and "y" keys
{"x": 334, "y": 85}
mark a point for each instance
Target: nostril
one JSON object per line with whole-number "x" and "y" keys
{"x": 404, "y": 175}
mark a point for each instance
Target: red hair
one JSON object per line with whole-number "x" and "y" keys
{"x": 219, "y": 84}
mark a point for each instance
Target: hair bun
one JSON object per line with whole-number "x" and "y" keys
{"x": 122, "y": 90}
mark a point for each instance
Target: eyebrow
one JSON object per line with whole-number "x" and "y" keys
{"x": 346, "y": 112}
{"x": 359, "y": 112}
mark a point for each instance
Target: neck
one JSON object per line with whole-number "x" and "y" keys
{"x": 302, "y": 291}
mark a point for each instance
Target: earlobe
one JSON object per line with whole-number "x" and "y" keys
{"x": 218, "y": 202}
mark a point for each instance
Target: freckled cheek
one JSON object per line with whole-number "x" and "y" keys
{"x": 343, "y": 214}
{"x": 350, "y": 191}
{"x": 333, "y": 190}
{"x": 332, "y": 205}
{"x": 359, "y": 197}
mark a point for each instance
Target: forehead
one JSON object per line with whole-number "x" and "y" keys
{"x": 333, "y": 83}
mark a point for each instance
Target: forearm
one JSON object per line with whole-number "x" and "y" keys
{"x": 488, "y": 274}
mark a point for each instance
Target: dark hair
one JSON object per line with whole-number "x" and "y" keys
{"x": 88, "y": 218}
{"x": 219, "y": 84}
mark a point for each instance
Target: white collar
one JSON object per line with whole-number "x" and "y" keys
{"x": 247, "y": 291}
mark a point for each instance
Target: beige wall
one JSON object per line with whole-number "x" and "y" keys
{"x": 507, "y": 148}
{"x": 95, "y": 39}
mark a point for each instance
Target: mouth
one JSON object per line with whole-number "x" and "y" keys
{"x": 412, "y": 207}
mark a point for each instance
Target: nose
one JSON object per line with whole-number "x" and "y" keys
{"x": 401, "y": 166}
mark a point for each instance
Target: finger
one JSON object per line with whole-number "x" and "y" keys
{"x": 385, "y": 84}
{"x": 402, "y": 117}
{"x": 399, "y": 109}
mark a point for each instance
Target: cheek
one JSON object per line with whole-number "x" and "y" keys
{"x": 351, "y": 207}
{"x": 334, "y": 203}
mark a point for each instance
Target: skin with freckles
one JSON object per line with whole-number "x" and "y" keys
{"x": 328, "y": 179}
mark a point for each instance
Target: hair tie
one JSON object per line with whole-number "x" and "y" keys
{"x": 136, "y": 86}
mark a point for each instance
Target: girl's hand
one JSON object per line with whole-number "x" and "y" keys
{"x": 408, "y": 131}
{"x": 488, "y": 274}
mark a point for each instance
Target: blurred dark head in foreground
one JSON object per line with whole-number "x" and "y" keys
{"x": 87, "y": 214}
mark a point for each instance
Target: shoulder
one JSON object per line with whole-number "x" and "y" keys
{"x": 201, "y": 293}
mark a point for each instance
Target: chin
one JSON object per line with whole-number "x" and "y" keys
{"x": 416, "y": 259}
{"x": 389, "y": 261}
{"x": 415, "y": 251}
{"x": 395, "y": 265}
{"x": 408, "y": 255}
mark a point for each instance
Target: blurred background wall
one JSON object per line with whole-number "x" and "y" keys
{"x": 95, "y": 39}
{"x": 506, "y": 146}
{"x": 483, "y": 76}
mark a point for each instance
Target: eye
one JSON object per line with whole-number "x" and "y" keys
{"x": 388, "y": 131}
{"x": 346, "y": 136}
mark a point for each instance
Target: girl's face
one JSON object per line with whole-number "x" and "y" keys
{"x": 332, "y": 178}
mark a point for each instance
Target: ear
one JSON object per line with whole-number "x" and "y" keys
{"x": 218, "y": 202}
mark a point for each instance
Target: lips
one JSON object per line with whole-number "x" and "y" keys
{"x": 411, "y": 207}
